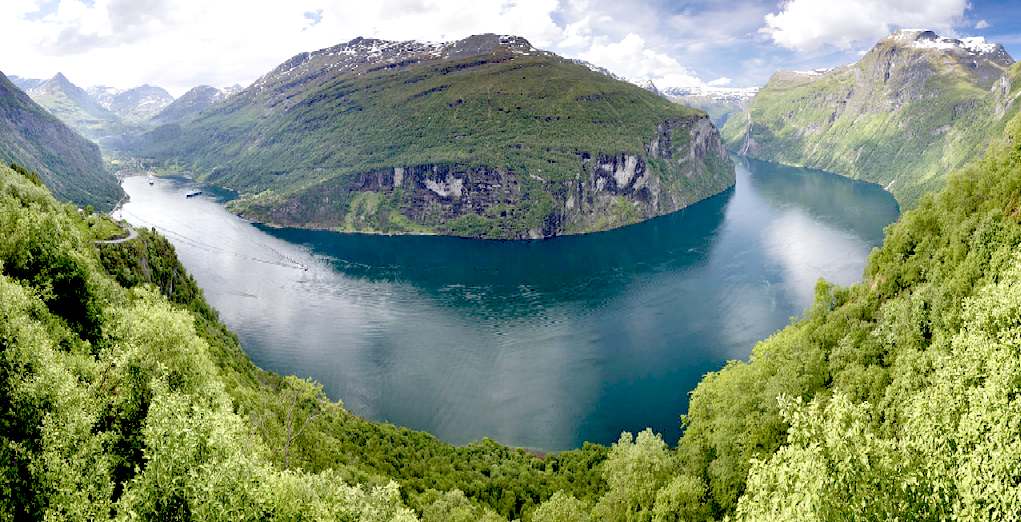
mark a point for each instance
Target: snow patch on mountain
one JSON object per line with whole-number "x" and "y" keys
{"x": 922, "y": 39}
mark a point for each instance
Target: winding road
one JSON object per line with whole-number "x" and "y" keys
{"x": 132, "y": 234}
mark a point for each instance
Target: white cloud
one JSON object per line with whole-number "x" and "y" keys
{"x": 720, "y": 82}
{"x": 809, "y": 25}
{"x": 632, "y": 58}
{"x": 178, "y": 44}
{"x": 181, "y": 43}
{"x": 983, "y": 24}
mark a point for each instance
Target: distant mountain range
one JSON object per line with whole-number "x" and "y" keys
{"x": 483, "y": 137}
{"x": 111, "y": 116}
{"x": 34, "y": 138}
{"x": 134, "y": 105}
{"x": 914, "y": 108}
{"x": 75, "y": 107}
{"x": 719, "y": 102}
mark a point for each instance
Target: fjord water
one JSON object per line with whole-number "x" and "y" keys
{"x": 536, "y": 344}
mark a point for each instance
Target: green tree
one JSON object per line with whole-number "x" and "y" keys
{"x": 635, "y": 470}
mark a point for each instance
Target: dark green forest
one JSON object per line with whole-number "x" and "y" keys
{"x": 123, "y": 396}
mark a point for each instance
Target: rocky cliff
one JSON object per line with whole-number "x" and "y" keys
{"x": 913, "y": 108}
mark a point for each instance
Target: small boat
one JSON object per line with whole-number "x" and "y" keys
{"x": 193, "y": 194}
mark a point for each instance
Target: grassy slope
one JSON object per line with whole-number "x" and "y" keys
{"x": 70, "y": 165}
{"x": 908, "y": 149}
{"x": 527, "y": 114}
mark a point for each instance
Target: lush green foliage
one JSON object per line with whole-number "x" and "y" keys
{"x": 880, "y": 348}
{"x": 111, "y": 404}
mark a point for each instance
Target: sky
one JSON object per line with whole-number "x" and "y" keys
{"x": 178, "y": 44}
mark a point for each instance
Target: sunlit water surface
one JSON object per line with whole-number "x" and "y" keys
{"x": 537, "y": 344}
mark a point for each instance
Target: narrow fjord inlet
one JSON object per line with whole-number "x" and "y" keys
{"x": 536, "y": 344}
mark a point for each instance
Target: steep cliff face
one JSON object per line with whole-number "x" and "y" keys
{"x": 913, "y": 108}
{"x": 685, "y": 162}
{"x": 483, "y": 137}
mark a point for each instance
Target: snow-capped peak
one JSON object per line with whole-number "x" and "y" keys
{"x": 362, "y": 55}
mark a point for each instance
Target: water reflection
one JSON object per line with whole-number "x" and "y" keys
{"x": 537, "y": 344}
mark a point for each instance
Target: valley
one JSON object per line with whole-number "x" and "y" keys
{"x": 629, "y": 262}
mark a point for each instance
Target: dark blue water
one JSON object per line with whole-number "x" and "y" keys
{"x": 536, "y": 344}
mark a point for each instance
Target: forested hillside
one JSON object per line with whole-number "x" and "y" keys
{"x": 122, "y": 394}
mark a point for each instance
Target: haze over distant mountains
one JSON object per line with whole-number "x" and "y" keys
{"x": 108, "y": 115}
{"x": 193, "y": 102}
{"x": 134, "y": 105}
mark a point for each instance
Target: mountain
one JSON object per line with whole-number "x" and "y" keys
{"x": 913, "y": 108}
{"x": 189, "y": 105}
{"x": 719, "y": 102}
{"x": 649, "y": 86}
{"x": 25, "y": 83}
{"x": 484, "y": 137}
{"x": 75, "y": 107}
{"x": 135, "y": 105}
{"x": 103, "y": 94}
{"x": 68, "y": 164}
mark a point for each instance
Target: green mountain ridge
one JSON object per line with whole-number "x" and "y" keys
{"x": 70, "y": 165}
{"x": 914, "y": 108}
{"x": 485, "y": 137}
